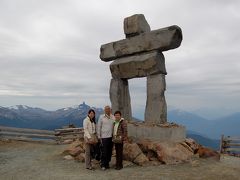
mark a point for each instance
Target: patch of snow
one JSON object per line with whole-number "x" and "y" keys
{"x": 66, "y": 109}
{"x": 16, "y": 107}
{"x": 25, "y": 107}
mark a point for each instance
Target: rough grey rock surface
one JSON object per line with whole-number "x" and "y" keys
{"x": 156, "y": 106}
{"x": 163, "y": 132}
{"x": 135, "y": 25}
{"x": 120, "y": 97}
{"x": 162, "y": 39}
{"x": 140, "y": 65}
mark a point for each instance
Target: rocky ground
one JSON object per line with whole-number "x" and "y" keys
{"x": 23, "y": 160}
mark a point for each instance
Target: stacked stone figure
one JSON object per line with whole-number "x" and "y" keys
{"x": 140, "y": 55}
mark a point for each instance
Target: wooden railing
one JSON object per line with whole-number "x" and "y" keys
{"x": 25, "y": 134}
{"x": 68, "y": 133}
{"x": 36, "y": 135}
{"x": 230, "y": 145}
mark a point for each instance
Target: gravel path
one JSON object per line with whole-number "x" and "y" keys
{"x": 30, "y": 161}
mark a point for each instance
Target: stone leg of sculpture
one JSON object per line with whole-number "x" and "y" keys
{"x": 120, "y": 97}
{"x": 156, "y": 106}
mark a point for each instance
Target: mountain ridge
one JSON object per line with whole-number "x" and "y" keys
{"x": 204, "y": 130}
{"x": 37, "y": 118}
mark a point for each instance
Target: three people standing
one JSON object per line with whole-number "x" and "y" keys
{"x": 111, "y": 129}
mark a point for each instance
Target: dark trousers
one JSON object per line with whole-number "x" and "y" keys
{"x": 95, "y": 151}
{"x": 107, "y": 146}
{"x": 119, "y": 155}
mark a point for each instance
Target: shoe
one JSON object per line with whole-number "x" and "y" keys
{"x": 103, "y": 168}
{"x": 90, "y": 168}
{"x": 107, "y": 167}
{"x": 118, "y": 168}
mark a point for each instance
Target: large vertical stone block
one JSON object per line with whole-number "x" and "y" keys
{"x": 120, "y": 97}
{"x": 156, "y": 106}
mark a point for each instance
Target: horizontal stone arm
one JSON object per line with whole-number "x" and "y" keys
{"x": 140, "y": 65}
{"x": 162, "y": 39}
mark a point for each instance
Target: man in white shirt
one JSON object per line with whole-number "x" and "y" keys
{"x": 104, "y": 131}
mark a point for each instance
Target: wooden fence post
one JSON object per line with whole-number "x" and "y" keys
{"x": 221, "y": 143}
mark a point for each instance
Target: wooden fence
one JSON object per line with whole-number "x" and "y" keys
{"x": 36, "y": 135}
{"x": 230, "y": 145}
{"x": 68, "y": 133}
{"x": 24, "y": 134}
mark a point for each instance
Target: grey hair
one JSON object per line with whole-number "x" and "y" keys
{"x": 107, "y": 106}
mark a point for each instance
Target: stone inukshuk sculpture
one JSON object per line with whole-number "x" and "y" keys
{"x": 140, "y": 55}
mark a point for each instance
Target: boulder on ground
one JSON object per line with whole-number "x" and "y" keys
{"x": 141, "y": 159}
{"x": 146, "y": 145}
{"x": 76, "y": 151}
{"x": 68, "y": 157}
{"x": 148, "y": 152}
{"x": 80, "y": 157}
{"x": 75, "y": 148}
{"x": 133, "y": 153}
{"x": 73, "y": 151}
{"x": 192, "y": 144}
{"x": 78, "y": 143}
{"x": 172, "y": 153}
{"x": 166, "y": 152}
{"x": 151, "y": 155}
{"x": 207, "y": 153}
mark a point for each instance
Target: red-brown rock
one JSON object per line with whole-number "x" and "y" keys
{"x": 80, "y": 157}
{"x": 133, "y": 153}
{"x": 76, "y": 151}
{"x": 151, "y": 155}
{"x": 77, "y": 143}
{"x": 146, "y": 145}
{"x": 141, "y": 159}
{"x": 207, "y": 153}
{"x": 166, "y": 152}
{"x": 192, "y": 144}
{"x": 73, "y": 151}
{"x": 172, "y": 153}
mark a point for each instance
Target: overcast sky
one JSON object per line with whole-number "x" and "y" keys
{"x": 49, "y": 52}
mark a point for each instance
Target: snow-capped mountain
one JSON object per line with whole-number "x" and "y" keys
{"x": 17, "y": 107}
{"x": 29, "y": 117}
{"x": 32, "y": 117}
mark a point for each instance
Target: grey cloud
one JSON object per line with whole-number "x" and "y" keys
{"x": 50, "y": 51}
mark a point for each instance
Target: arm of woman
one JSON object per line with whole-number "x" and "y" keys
{"x": 125, "y": 131}
{"x": 85, "y": 128}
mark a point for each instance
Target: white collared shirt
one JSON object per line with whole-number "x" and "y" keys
{"x": 89, "y": 127}
{"x": 105, "y": 126}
